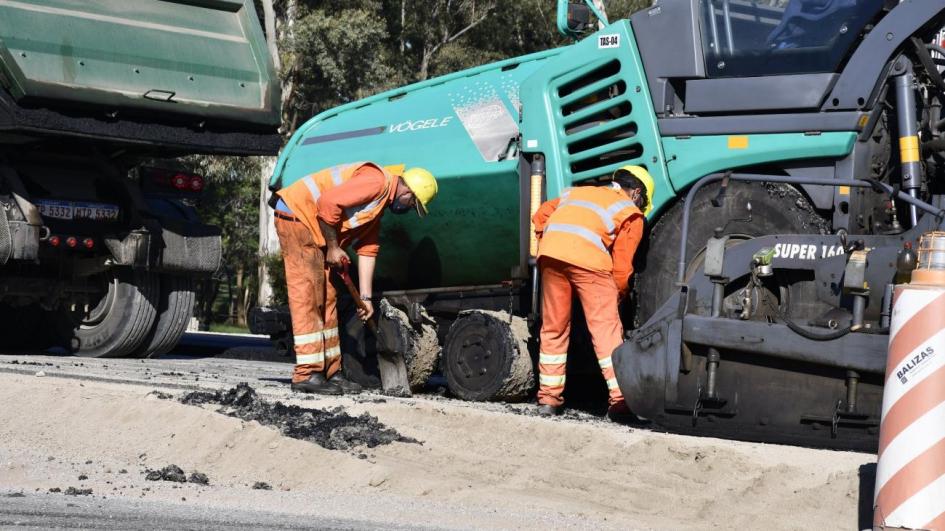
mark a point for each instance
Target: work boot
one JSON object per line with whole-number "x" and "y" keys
{"x": 547, "y": 410}
{"x": 345, "y": 384}
{"x": 317, "y": 383}
{"x": 621, "y": 414}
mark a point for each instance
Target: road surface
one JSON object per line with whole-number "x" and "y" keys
{"x": 104, "y": 425}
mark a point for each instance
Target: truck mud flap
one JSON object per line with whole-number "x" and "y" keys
{"x": 188, "y": 247}
{"x": 173, "y": 248}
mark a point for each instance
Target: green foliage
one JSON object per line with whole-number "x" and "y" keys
{"x": 280, "y": 294}
{"x": 231, "y": 202}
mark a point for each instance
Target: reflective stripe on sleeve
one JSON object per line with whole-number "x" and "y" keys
{"x": 330, "y": 333}
{"x": 552, "y": 359}
{"x": 551, "y": 381}
{"x": 307, "y": 359}
{"x": 612, "y": 383}
{"x": 603, "y": 214}
{"x": 605, "y": 362}
{"x": 578, "y": 231}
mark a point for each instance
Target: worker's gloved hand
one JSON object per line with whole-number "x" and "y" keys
{"x": 336, "y": 257}
{"x": 367, "y": 312}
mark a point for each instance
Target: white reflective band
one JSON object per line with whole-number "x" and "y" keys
{"x": 605, "y": 362}
{"x": 551, "y": 381}
{"x": 612, "y": 384}
{"x": 552, "y": 359}
{"x": 355, "y": 211}
{"x": 336, "y": 175}
{"x": 305, "y": 359}
{"x": 604, "y": 216}
{"x": 305, "y": 339}
{"x": 578, "y": 231}
{"x": 330, "y": 333}
{"x": 312, "y": 187}
{"x": 618, "y": 206}
{"x": 333, "y": 353}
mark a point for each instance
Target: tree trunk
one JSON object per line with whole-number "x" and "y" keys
{"x": 237, "y": 309}
{"x": 599, "y": 4}
{"x": 268, "y": 239}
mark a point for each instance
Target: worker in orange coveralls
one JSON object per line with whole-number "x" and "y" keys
{"x": 587, "y": 239}
{"x": 316, "y": 217}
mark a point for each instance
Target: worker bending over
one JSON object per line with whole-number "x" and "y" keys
{"x": 316, "y": 218}
{"x": 587, "y": 239}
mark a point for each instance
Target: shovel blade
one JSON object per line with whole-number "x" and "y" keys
{"x": 392, "y": 345}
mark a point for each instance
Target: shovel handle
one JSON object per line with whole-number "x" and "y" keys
{"x": 346, "y": 278}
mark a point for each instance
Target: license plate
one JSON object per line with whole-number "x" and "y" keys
{"x": 77, "y": 210}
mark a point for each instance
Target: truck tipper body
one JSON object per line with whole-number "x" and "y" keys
{"x": 795, "y": 153}
{"x": 100, "y": 247}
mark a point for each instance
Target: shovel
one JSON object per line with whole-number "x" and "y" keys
{"x": 390, "y": 351}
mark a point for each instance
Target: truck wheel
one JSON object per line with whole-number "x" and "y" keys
{"x": 176, "y": 307}
{"x": 118, "y": 322}
{"x": 486, "y": 358}
{"x": 776, "y": 209}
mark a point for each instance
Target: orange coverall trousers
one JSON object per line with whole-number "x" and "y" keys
{"x": 598, "y": 295}
{"x": 311, "y": 302}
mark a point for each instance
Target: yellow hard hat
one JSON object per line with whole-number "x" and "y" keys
{"x": 644, "y": 176}
{"x": 423, "y": 185}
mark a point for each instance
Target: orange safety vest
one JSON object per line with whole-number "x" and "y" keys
{"x": 302, "y": 198}
{"x": 582, "y": 229}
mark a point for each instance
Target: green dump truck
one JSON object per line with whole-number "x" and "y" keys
{"x": 797, "y": 148}
{"x": 99, "y": 250}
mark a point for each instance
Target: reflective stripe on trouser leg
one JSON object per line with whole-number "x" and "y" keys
{"x": 555, "y": 332}
{"x": 598, "y": 295}
{"x": 551, "y": 377}
{"x": 332, "y": 340}
{"x": 304, "y": 266}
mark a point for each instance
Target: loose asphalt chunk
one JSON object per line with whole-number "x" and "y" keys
{"x": 333, "y": 429}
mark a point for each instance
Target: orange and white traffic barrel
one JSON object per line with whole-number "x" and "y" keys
{"x": 910, "y": 474}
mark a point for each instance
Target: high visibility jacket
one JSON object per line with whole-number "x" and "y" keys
{"x": 302, "y": 198}
{"x": 583, "y": 224}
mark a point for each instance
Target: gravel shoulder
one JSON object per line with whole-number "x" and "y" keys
{"x": 477, "y": 465}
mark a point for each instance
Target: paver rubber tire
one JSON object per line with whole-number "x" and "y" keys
{"x": 486, "y": 358}
{"x": 776, "y": 209}
{"x": 175, "y": 309}
{"x": 120, "y": 321}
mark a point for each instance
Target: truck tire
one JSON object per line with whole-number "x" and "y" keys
{"x": 176, "y": 307}
{"x": 776, "y": 209}
{"x": 120, "y": 321}
{"x": 486, "y": 358}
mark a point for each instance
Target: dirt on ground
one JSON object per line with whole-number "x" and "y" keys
{"x": 479, "y": 465}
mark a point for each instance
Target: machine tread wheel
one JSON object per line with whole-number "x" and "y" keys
{"x": 174, "y": 313}
{"x": 487, "y": 358}
{"x": 776, "y": 209}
